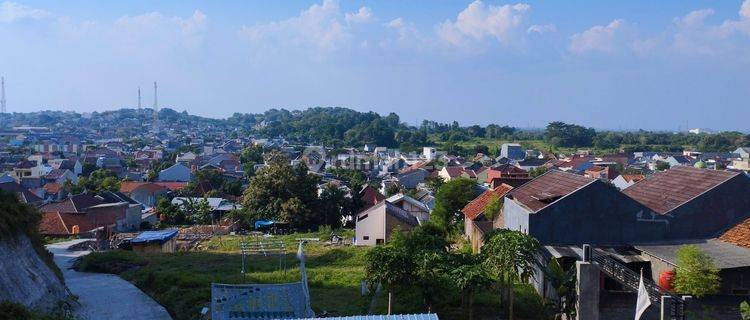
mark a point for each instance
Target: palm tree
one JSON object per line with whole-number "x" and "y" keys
{"x": 563, "y": 281}
{"x": 510, "y": 256}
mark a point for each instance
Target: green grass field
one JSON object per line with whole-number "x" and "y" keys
{"x": 181, "y": 281}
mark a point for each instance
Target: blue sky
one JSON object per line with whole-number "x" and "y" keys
{"x": 658, "y": 65}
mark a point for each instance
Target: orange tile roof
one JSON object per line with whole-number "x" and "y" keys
{"x": 172, "y": 185}
{"x": 633, "y": 177}
{"x": 476, "y": 206}
{"x": 738, "y": 235}
{"x": 52, "y": 187}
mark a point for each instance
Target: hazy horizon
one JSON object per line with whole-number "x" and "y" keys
{"x": 618, "y": 66}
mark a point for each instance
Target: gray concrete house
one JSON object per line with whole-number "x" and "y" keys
{"x": 375, "y": 225}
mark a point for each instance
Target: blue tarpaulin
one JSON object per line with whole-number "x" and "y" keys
{"x": 263, "y": 223}
{"x": 155, "y": 236}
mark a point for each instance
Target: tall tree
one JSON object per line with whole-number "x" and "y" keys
{"x": 449, "y": 200}
{"x": 469, "y": 276}
{"x": 284, "y": 193}
{"x": 510, "y": 256}
{"x": 389, "y": 266}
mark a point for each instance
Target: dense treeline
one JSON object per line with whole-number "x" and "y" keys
{"x": 341, "y": 127}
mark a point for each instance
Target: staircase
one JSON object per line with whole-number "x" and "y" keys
{"x": 630, "y": 279}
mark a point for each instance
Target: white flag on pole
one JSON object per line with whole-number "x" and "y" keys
{"x": 644, "y": 301}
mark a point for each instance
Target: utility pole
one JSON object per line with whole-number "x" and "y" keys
{"x": 2, "y": 95}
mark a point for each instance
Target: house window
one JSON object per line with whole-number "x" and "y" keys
{"x": 366, "y": 238}
{"x": 379, "y": 241}
{"x": 362, "y": 218}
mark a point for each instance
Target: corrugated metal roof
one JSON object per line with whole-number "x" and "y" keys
{"x": 545, "y": 189}
{"x": 667, "y": 190}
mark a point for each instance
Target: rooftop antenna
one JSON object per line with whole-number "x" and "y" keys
{"x": 2, "y": 94}
{"x": 156, "y": 109}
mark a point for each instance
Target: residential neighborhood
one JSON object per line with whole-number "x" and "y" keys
{"x": 173, "y": 191}
{"x": 374, "y": 160}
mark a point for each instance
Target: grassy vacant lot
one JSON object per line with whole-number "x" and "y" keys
{"x": 181, "y": 281}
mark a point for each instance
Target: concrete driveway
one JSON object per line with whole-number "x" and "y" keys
{"x": 104, "y": 296}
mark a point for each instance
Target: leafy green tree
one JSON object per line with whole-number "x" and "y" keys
{"x": 389, "y": 266}
{"x": 197, "y": 210}
{"x": 470, "y": 277}
{"x": 98, "y": 181}
{"x": 696, "y": 272}
{"x": 561, "y": 134}
{"x": 662, "y": 165}
{"x": 510, "y": 256}
{"x": 449, "y": 201}
{"x": 745, "y": 310}
{"x": 252, "y": 155}
{"x": 493, "y": 207}
{"x": 538, "y": 171}
{"x": 170, "y": 213}
{"x": 334, "y": 205}
{"x": 428, "y": 249}
{"x": 284, "y": 193}
{"x": 392, "y": 189}
{"x": 433, "y": 183}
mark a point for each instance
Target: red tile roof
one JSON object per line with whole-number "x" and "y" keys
{"x": 669, "y": 189}
{"x": 129, "y": 186}
{"x": 554, "y": 184}
{"x": 506, "y": 171}
{"x": 52, "y": 224}
{"x": 62, "y": 223}
{"x": 454, "y": 172}
{"x": 370, "y": 196}
{"x": 633, "y": 177}
{"x": 52, "y": 187}
{"x": 476, "y": 206}
{"x": 173, "y": 186}
{"x": 738, "y": 235}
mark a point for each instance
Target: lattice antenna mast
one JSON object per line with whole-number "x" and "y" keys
{"x": 139, "y": 99}
{"x": 156, "y": 109}
{"x": 2, "y": 95}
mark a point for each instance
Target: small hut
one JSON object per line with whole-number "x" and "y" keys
{"x": 155, "y": 241}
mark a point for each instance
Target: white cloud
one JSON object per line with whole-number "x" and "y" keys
{"x": 479, "y": 21}
{"x": 406, "y": 35}
{"x": 597, "y": 38}
{"x": 692, "y": 35}
{"x": 318, "y": 27}
{"x": 542, "y": 29}
{"x": 693, "y": 19}
{"x": 741, "y": 25}
{"x": 154, "y": 28}
{"x": 363, "y": 15}
{"x": 395, "y": 23}
{"x": 11, "y": 12}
